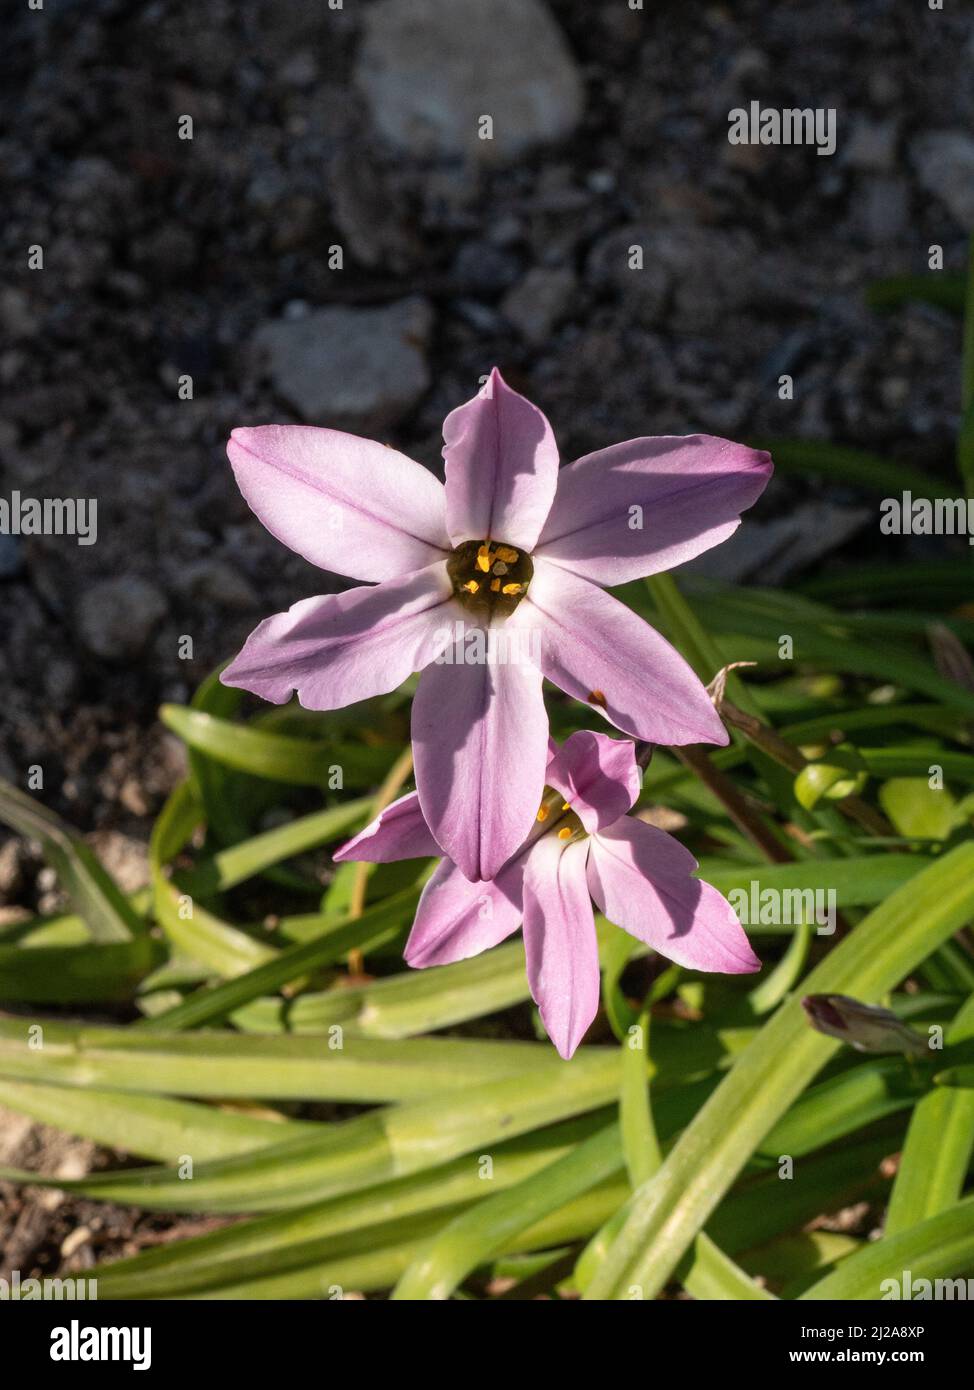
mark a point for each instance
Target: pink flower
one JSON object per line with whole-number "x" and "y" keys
{"x": 509, "y": 547}
{"x": 584, "y": 845}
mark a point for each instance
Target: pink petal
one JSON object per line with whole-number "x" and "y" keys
{"x": 480, "y": 743}
{"x": 346, "y": 504}
{"x": 640, "y": 878}
{"x": 560, "y": 942}
{"x": 691, "y": 491}
{"x": 596, "y": 775}
{"x": 599, "y": 651}
{"x": 398, "y": 832}
{"x": 501, "y": 467}
{"x": 340, "y": 648}
{"x": 456, "y": 918}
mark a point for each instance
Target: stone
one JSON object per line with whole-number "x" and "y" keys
{"x": 116, "y": 617}
{"x": 538, "y": 303}
{"x": 352, "y": 369}
{"x": 167, "y": 253}
{"x": 11, "y": 557}
{"x": 124, "y": 857}
{"x": 711, "y": 272}
{"x": 375, "y": 229}
{"x": 871, "y": 146}
{"x": 944, "y": 162}
{"x": 610, "y": 266}
{"x": 480, "y": 267}
{"x": 883, "y": 208}
{"x": 217, "y": 583}
{"x": 61, "y": 681}
{"x": 430, "y": 69}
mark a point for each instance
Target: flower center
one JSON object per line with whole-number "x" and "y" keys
{"x": 489, "y": 577}
{"x": 554, "y": 814}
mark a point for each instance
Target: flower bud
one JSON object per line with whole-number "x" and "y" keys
{"x": 865, "y": 1027}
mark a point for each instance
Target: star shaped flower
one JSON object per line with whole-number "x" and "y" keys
{"x": 511, "y": 549}
{"x": 584, "y": 846}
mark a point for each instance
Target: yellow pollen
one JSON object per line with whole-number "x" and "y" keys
{"x": 565, "y": 833}
{"x": 542, "y": 813}
{"x": 565, "y": 806}
{"x": 511, "y": 589}
{"x": 495, "y": 586}
{"x": 484, "y": 558}
{"x": 471, "y": 586}
{"x": 597, "y": 697}
{"x": 504, "y": 552}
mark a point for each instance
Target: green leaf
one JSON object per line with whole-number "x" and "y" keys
{"x": 462, "y": 1111}
{"x": 916, "y": 808}
{"x": 872, "y": 472}
{"x": 277, "y": 1068}
{"x": 300, "y": 762}
{"x": 88, "y": 974}
{"x": 153, "y": 1127}
{"x": 240, "y": 862}
{"x": 939, "y": 288}
{"x": 939, "y": 1248}
{"x": 274, "y": 1244}
{"x": 939, "y": 1142}
{"x": 214, "y": 1002}
{"x": 475, "y": 1236}
{"x": 192, "y": 930}
{"x": 666, "y": 1213}
{"x": 401, "y": 1006}
{"x": 106, "y": 912}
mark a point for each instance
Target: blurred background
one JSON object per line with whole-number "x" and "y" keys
{"x": 337, "y": 245}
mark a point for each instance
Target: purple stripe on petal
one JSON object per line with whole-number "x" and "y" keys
{"x": 398, "y": 832}
{"x": 599, "y": 651}
{"x": 640, "y": 877}
{"x": 650, "y": 504}
{"x": 346, "y": 504}
{"x": 560, "y": 941}
{"x": 456, "y": 918}
{"x": 501, "y": 467}
{"x": 337, "y": 649}
{"x": 480, "y": 743}
{"x": 596, "y": 775}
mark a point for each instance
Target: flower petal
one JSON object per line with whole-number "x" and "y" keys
{"x": 640, "y": 878}
{"x": 596, "y": 775}
{"x": 501, "y": 467}
{"x": 456, "y": 918}
{"x": 690, "y": 491}
{"x": 560, "y": 942}
{"x": 599, "y": 651}
{"x": 480, "y": 743}
{"x": 398, "y": 832}
{"x": 346, "y": 504}
{"x": 339, "y": 648}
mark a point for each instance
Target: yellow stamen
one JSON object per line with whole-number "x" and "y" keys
{"x": 504, "y": 552}
{"x": 597, "y": 697}
{"x": 565, "y": 833}
{"x": 512, "y": 588}
{"x": 565, "y": 806}
{"x": 471, "y": 586}
{"x": 484, "y": 558}
{"x": 495, "y": 585}
{"x": 542, "y": 813}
